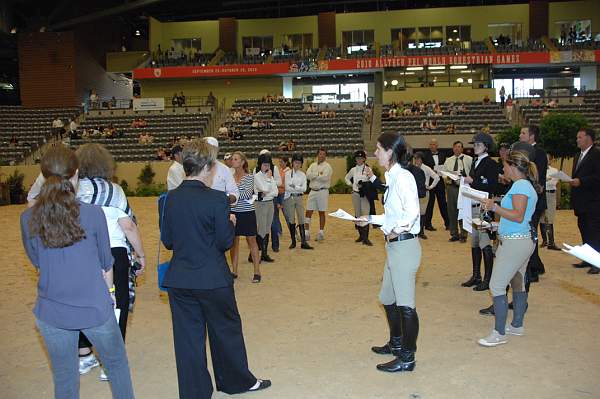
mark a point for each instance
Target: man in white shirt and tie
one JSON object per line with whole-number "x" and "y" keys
{"x": 458, "y": 164}
{"x": 319, "y": 174}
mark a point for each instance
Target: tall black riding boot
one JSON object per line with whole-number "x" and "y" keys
{"x": 551, "y": 243}
{"x": 394, "y": 320}
{"x": 488, "y": 264}
{"x": 360, "y": 234}
{"x": 292, "y": 227}
{"x": 543, "y": 232}
{"x": 303, "y": 243}
{"x": 476, "y": 277}
{"x": 366, "y": 241}
{"x": 410, "y": 331}
{"x": 264, "y": 256}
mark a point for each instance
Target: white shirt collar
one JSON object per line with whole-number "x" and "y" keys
{"x": 584, "y": 153}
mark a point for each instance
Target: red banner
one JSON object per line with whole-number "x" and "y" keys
{"x": 359, "y": 64}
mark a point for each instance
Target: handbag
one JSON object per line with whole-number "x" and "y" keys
{"x": 161, "y": 268}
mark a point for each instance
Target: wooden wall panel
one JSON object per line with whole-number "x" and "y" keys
{"x": 538, "y": 18}
{"x": 47, "y": 72}
{"x": 327, "y": 29}
{"x": 228, "y": 34}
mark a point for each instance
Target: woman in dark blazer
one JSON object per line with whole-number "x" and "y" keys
{"x": 198, "y": 227}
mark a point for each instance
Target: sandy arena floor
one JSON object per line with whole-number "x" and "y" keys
{"x": 309, "y": 325}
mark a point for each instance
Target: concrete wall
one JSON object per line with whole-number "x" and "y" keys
{"x": 573, "y": 11}
{"x": 278, "y": 28}
{"x": 163, "y": 33}
{"x": 438, "y": 93}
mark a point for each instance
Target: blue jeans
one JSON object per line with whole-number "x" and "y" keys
{"x": 63, "y": 353}
{"x": 276, "y": 228}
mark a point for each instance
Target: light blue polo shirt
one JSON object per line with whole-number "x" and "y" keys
{"x": 520, "y": 187}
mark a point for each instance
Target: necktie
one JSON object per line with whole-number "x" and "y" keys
{"x": 579, "y": 160}
{"x": 455, "y": 164}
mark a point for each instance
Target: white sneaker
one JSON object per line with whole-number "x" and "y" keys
{"x": 510, "y": 329}
{"x": 103, "y": 376}
{"x": 86, "y": 363}
{"x": 494, "y": 339}
{"x": 320, "y": 236}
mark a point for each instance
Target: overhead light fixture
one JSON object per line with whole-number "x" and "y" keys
{"x": 455, "y": 31}
{"x": 437, "y": 72}
{"x": 350, "y": 75}
{"x": 409, "y": 73}
{"x": 458, "y": 67}
{"x": 450, "y": 39}
{"x": 567, "y": 68}
{"x": 467, "y": 71}
{"x": 298, "y": 77}
{"x": 414, "y": 68}
{"x": 431, "y": 68}
{"x": 137, "y": 32}
{"x": 394, "y": 82}
{"x": 565, "y": 71}
{"x": 457, "y": 39}
{"x": 470, "y": 80}
{"x": 459, "y": 80}
{"x": 13, "y": 31}
{"x": 337, "y": 58}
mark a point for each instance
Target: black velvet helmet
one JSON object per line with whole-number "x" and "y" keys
{"x": 297, "y": 157}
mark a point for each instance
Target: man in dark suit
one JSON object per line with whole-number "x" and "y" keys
{"x": 197, "y": 226}
{"x": 585, "y": 191}
{"x": 433, "y": 158}
{"x": 531, "y": 135}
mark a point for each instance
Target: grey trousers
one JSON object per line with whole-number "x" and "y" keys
{"x": 294, "y": 207}
{"x": 550, "y": 212}
{"x": 400, "y": 273}
{"x": 512, "y": 257}
{"x": 264, "y": 216}
{"x": 479, "y": 238}
{"x": 360, "y": 204}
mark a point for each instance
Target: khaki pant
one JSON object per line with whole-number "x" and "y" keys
{"x": 512, "y": 257}
{"x": 479, "y": 238}
{"x": 317, "y": 200}
{"x": 452, "y": 202}
{"x": 400, "y": 273}
{"x": 360, "y": 204}
{"x": 423, "y": 203}
{"x": 550, "y": 212}
{"x": 292, "y": 207}
{"x": 264, "y": 216}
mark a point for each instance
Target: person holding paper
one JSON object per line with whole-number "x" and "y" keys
{"x": 295, "y": 186}
{"x": 547, "y": 221}
{"x": 516, "y": 246}
{"x": 245, "y": 215}
{"x": 460, "y": 165}
{"x": 400, "y": 224}
{"x": 356, "y": 178}
{"x": 483, "y": 177}
{"x": 68, "y": 242}
{"x": 585, "y": 191}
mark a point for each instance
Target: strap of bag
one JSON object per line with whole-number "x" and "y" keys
{"x": 162, "y": 217}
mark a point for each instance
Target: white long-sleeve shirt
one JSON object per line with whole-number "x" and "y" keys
{"x": 223, "y": 180}
{"x": 265, "y": 185}
{"x": 357, "y": 174}
{"x": 551, "y": 182}
{"x": 319, "y": 175}
{"x": 175, "y": 175}
{"x": 295, "y": 182}
{"x": 401, "y": 203}
{"x": 431, "y": 178}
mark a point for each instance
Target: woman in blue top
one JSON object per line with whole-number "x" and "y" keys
{"x": 68, "y": 242}
{"x": 516, "y": 245}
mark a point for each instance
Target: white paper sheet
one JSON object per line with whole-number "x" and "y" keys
{"x": 440, "y": 168}
{"x": 560, "y": 175}
{"x": 472, "y": 194}
{"x": 251, "y": 200}
{"x": 449, "y": 175}
{"x": 585, "y": 253}
{"x": 342, "y": 214}
{"x": 465, "y": 213}
{"x": 117, "y": 313}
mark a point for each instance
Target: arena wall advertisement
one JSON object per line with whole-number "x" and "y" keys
{"x": 148, "y": 104}
{"x": 523, "y": 58}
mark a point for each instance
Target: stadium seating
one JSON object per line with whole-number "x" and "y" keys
{"x": 590, "y": 109}
{"x": 31, "y": 126}
{"x": 340, "y": 135}
{"x": 477, "y": 115}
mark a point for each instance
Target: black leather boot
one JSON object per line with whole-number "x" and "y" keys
{"x": 394, "y": 320}
{"x": 360, "y": 234}
{"x": 543, "y": 233}
{"x": 410, "y": 330}
{"x": 488, "y": 264}
{"x": 366, "y": 240}
{"x": 292, "y": 228}
{"x": 551, "y": 243}
{"x": 264, "y": 256}
{"x": 422, "y": 232}
{"x": 303, "y": 243}
{"x": 476, "y": 277}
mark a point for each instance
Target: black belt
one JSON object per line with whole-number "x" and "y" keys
{"x": 550, "y": 191}
{"x": 296, "y": 195}
{"x": 401, "y": 237}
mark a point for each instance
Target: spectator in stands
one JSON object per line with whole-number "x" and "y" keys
{"x": 181, "y": 99}
{"x": 415, "y": 107}
{"x": 211, "y": 99}
{"x": 462, "y": 109}
{"x": 392, "y": 112}
{"x": 509, "y": 107}
{"x": 238, "y": 135}
{"x": 73, "y": 126}
{"x": 437, "y": 110}
{"x": 291, "y": 145}
{"x": 451, "y": 129}
{"x": 486, "y": 99}
{"x": 572, "y": 35}
{"x": 145, "y": 138}
{"x": 13, "y": 141}
{"x": 283, "y": 146}
{"x": 425, "y": 124}
{"x": 94, "y": 99}
{"x": 429, "y": 107}
{"x": 112, "y": 103}
{"x": 422, "y": 108}
{"x": 175, "y": 100}
{"x": 563, "y": 35}
{"x": 86, "y": 134}
{"x": 161, "y": 154}
{"x": 236, "y": 116}
{"x": 502, "y": 96}
{"x": 536, "y": 102}
{"x": 223, "y": 132}
{"x": 433, "y": 125}
{"x": 58, "y": 128}
{"x": 486, "y": 128}
{"x": 312, "y": 109}
{"x": 553, "y": 103}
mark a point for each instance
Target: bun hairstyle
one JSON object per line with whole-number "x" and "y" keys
{"x": 55, "y": 215}
{"x": 401, "y": 151}
{"x": 520, "y": 160}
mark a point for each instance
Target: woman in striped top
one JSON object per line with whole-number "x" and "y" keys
{"x": 243, "y": 210}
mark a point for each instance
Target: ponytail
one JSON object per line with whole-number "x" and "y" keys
{"x": 55, "y": 215}
{"x": 532, "y": 176}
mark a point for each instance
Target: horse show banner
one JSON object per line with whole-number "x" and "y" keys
{"x": 357, "y": 64}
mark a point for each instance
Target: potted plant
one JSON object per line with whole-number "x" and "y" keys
{"x": 15, "y": 187}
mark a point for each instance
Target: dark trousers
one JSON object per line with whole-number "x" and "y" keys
{"x": 276, "y": 227}
{"x": 121, "y": 282}
{"x": 193, "y": 313}
{"x": 589, "y": 228}
{"x": 535, "y": 264}
{"x": 438, "y": 192}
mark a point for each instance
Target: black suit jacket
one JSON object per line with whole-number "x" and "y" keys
{"x": 196, "y": 226}
{"x": 586, "y": 198}
{"x": 485, "y": 175}
{"x": 541, "y": 163}
{"x": 428, "y": 159}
